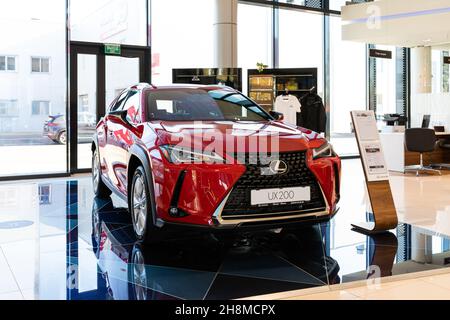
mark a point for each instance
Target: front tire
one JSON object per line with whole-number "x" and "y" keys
{"x": 141, "y": 210}
{"x": 100, "y": 188}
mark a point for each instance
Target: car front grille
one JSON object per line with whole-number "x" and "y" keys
{"x": 238, "y": 204}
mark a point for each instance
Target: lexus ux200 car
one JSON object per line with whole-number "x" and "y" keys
{"x": 207, "y": 156}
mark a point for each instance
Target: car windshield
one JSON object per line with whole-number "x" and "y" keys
{"x": 198, "y": 104}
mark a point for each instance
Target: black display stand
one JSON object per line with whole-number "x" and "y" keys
{"x": 231, "y": 77}
{"x": 264, "y": 86}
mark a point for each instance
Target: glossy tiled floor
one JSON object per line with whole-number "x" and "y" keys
{"x": 58, "y": 242}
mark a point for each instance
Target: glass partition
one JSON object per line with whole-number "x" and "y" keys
{"x": 254, "y": 47}
{"x": 32, "y": 87}
{"x": 434, "y": 98}
{"x": 347, "y": 89}
{"x": 109, "y": 21}
{"x": 301, "y": 42}
{"x": 182, "y": 36}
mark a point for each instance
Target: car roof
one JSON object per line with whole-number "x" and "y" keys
{"x": 181, "y": 86}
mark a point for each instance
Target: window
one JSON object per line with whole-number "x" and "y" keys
{"x": 385, "y": 83}
{"x": 118, "y": 104}
{"x": 307, "y": 3}
{"x": 83, "y": 103}
{"x": 111, "y": 21}
{"x": 430, "y": 96}
{"x": 337, "y": 4}
{"x": 41, "y": 65}
{"x": 7, "y": 63}
{"x": 8, "y": 108}
{"x": 301, "y": 42}
{"x": 32, "y": 30}
{"x": 254, "y": 47}
{"x": 40, "y": 108}
{"x": 190, "y": 46}
{"x": 347, "y": 89}
{"x": 133, "y": 107}
{"x": 45, "y": 193}
{"x": 118, "y": 91}
{"x": 195, "y": 104}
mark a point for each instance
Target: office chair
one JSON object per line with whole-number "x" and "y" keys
{"x": 420, "y": 140}
{"x": 444, "y": 144}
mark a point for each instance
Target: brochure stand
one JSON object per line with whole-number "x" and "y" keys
{"x": 376, "y": 174}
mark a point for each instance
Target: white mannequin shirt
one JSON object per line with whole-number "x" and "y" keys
{"x": 288, "y": 105}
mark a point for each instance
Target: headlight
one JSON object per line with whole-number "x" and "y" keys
{"x": 324, "y": 151}
{"x": 176, "y": 154}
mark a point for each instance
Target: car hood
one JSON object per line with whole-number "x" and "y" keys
{"x": 243, "y": 136}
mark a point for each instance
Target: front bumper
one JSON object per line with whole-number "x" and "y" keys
{"x": 255, "y": 225}
{"x": 219, "y": 220}
{"x": 199, "y": 195}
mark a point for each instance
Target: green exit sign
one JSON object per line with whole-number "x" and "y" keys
{"x": 112, "y": 49}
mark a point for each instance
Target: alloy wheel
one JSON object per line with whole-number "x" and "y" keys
{"x": 95, "y": 172}
{"x": 139, "y": 206}
{"x": 139, "y": 276}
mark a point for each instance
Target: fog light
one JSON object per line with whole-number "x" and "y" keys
{"x": 173, "y": 212}
{"x": 177, "y": 213}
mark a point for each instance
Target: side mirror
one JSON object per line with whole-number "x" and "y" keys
{"x": 277, "y": 115}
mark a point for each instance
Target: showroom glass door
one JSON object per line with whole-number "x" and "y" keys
{"x": 98, "y": 74}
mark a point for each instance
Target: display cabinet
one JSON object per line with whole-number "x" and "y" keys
{"x": 231, "y": 77}
{"x": 264, "y": 86}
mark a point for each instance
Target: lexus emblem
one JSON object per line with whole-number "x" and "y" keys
{"x": 278, "y": 167}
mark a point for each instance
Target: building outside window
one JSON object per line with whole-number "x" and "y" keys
{"x": 40, "y": 65}
{"x": 83, "y": 103}
{"x": 40, "y": 108}
{"x": 7, "y": 63}
{"x": 33, "y": 51}
{"x": 45, "y": 194}
{"x": 8, "y": 108}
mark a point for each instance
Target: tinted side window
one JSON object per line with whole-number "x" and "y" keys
{"x": 133, "y": 107}
{"x": 118, "y": 105}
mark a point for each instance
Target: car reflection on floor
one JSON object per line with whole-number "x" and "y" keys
{"x": 205, "y": 266}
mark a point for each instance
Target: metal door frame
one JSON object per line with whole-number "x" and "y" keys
{"x": 97, "y": 49}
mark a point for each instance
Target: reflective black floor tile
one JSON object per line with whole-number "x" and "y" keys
{"x": 265, "y": 265}
{"x": 180, "y": 283}
{"x": 114, "y": 289}
{"x": 184, "y": 256}
{"x": 304, "y": 248}
{"x": 234, "y": 287}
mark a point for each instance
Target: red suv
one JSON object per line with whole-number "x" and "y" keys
{"x": 207, "y": 156}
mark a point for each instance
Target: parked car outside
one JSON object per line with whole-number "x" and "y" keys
{"x": 55, "y": 127}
